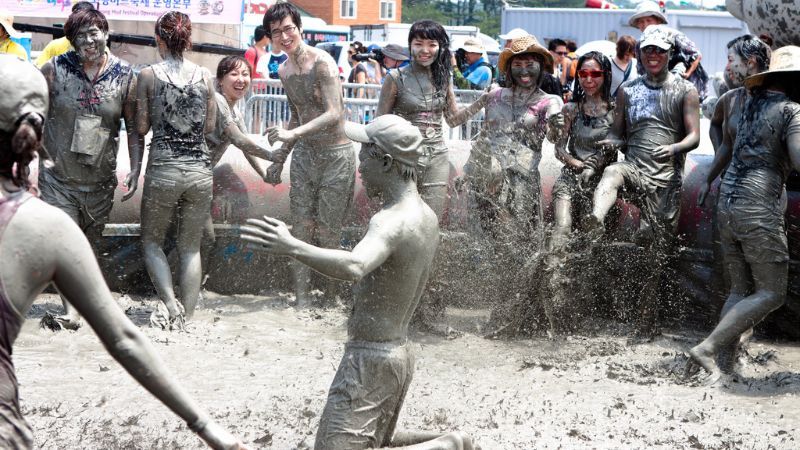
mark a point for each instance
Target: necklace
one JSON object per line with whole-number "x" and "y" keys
{"x": 429, "y": 131}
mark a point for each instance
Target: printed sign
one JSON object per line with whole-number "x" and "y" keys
{"x": 200, "y": 11}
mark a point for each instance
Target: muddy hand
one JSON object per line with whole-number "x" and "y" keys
{"x": 663, "y": 152}
{"x": 273, "y": 174}
{"x": 268, "y": 234}
{"x": 278, "y": 134}
{"x": 586, "y": 175}
{"x": 131, "y": 183}
{"x": 702, "y": 193}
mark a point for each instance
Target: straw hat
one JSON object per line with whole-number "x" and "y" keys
{"x": 516, "y": 33}
{"x": 7, "y": 22}
{"x": 645, "y": 9}
{"x": 526, "y": 44}
{"x": 784, "y": 59}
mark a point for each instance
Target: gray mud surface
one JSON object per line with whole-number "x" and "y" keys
{"x": 262, "y": 369}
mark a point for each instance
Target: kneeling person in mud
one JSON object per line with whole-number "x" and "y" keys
{"x": 659, "y": 114}
{"x": 390, "y": 266}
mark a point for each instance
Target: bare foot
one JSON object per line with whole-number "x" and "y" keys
{"x": 706, "y": 361}
{"x": 58, "y": 323}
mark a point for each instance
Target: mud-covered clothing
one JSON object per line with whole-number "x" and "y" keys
{"x": 15, "y": 433}
{"x": 178, "y": 117}
{"x": 218, "y": 141}
{"x": 426, "y": 112}
{"x": 584, "y": 133}
{"x": 322, "y": 184}
{"x": 660, "y": 205}
{"x": 654, "y": 117}
{"x": 750, "y": 206}
{"x": 366, "y": 395}
{"x": 81, "y": 132}
{"x": 684, "y": 53}
{"x": 166, "y": 186}
{"x": 89, "y": 209}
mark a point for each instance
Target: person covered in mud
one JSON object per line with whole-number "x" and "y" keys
{"x": 390, "y": 266}
{"x": 90, "y": 91}
{"x": 587, "y": 121}
{"x": 40, "y": 244}
{"x": 176, "y": 99}
{"x": 657, "y": 120}
{"x": 766, "y": 147}
{"x": 422, "y": 93}
{"x": 323, "y": 164}
{"x": 517, "y": 120}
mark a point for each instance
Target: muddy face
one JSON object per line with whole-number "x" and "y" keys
{"x": 286, "y": 34}
{"x": 90, "y": 43}
{"x": 424, "y": 51}
{"x": 655, "y": 59}
{"x": 369, "y": 168}
{"x": 234, "y": 84}
{"x": 526, "y": 70}
{"x": 737, "y": 69}
{"x": 590, "y": 76}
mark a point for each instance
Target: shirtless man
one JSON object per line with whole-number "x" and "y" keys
{"x": 390, "y": 266}
{"x": 659, "y": 114}
{"x": 750, "y": 210}
{"x": 323, "y": 165}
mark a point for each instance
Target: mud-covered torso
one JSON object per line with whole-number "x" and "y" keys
{"x": 760, "y": 163}
{"x": 735, "y": 104}
{"x": 418, "y": 102}
{"x": 515, "y": 126}
{"x": 654, "y": 117}
{"x": 586, "y": 131}
{"x": 82, "y": 128}
{"x": 218, "y": 140}
{"x": 304, "y": 91}
{"x": 178, "y": 116}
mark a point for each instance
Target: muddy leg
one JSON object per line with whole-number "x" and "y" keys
{"x": 302, "y": 229}
{"x": 194, "y": 214}
{"x": 156, "y": 217}
{"x": 424, "y": 440}
{"x": 770, "y": 281}
{"x": 605, "y": 196}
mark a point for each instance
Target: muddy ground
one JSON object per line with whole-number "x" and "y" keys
{"x": 263, "y": 368}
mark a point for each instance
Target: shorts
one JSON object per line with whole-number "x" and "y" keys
{"x": 322, "y": 184}
{"x": 660, "y": 205}
{"x": 366, "y": 396}
{"x": 89, "y": 209}
{"x": 751, "y": 231}
{"x": 165, "y": 186}
{"x": 566, "y": 186}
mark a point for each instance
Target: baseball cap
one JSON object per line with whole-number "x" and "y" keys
{"x": 657, "y": 35}
{"x": 395, "y": 51}
{"x": 19, "y": 99}
{"x": 516, "y": 33}
{"x": 393, "y": 134}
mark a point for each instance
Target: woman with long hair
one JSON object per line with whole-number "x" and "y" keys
{"x": 176, "y": 98}
{"x": 40, "y": 245}
{"x": 587, "y": 120}
{"x": 422, "y": 93}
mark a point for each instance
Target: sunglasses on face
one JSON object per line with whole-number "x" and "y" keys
{"x": 562, "y": 53}
{"x": 590, "y": 73}
{"x": 654, "y": 49}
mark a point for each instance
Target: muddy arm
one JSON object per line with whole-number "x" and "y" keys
{"x": 691, "y": 122}
{"x": 717, "y": 119}
{"x": 615, "y": 137}
{"x": 562, "y": 154}
{"x": 388, "y": 96}
{"x": 211, "y": 102}
{"x": 144, "y": 90}
{"x": 454, "y": 116}
{"x": 135, "y": 141}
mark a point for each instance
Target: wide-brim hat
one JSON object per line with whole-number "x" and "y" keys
{"x": 645, "y": 9}
{"x": 521, "y": 46}
{"x": 783, "y": 60}
{"x": 7, "y": 22}
{"x": 473, "y": 45}
{"x": 396, "y": 52}
{"x": 516, "y": 33}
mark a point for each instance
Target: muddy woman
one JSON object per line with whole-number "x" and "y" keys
{"x": 657, "y": 120}
{"x": 90, "y": 90}
{"x": 176, "y": 98}
{"x": 390, "y": 267}
{"x": 766, "y": 147}
{"x": 323, "y": 167}
{"x": 40, "y": 244}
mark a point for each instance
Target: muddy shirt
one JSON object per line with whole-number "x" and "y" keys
{"x": 514, "y": 145}
{"x": 178, "y": 116}
{"x": 218, "y": 141}
{"x": 654, "y": 117}
{"x": 760, "y": 163}
{"x": 415, "y": 104}
{"x": 586, "y": 131}
{"x": 82, "y": 128}
{"x": 14, "y": 430}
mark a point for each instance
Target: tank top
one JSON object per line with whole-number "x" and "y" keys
{"x": 586, "y": 131}
{"x": 423, "y": 110}
{"x": 15, "y": 433}
{"x": 178, "y": 116}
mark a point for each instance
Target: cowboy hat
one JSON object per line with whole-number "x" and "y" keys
{"x": 523, "y": 45}
{"x": 783, "y": 60}
{"x": 645, "y": 9}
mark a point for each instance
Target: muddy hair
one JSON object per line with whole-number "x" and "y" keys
{"x": 625, "y": 44}
{"x": 280, "y": 11}
{"x": 441, "y": 67}
{"x": 84, "y": 18}
{"x": 19, "y": 147}
{"x": 175, "y": 29}
{"x": 605, "y": 90}
{"x": 748, "y": 46}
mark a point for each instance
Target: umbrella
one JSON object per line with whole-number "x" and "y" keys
{"x": 607, "y": 48}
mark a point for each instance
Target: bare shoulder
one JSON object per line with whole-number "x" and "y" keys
{"x": 324, "y": 63}
{"x": 41, "y": 219}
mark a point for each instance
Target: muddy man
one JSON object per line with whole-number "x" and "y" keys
{"x": 390, "y": 266}
{"x": 323, "y": 164}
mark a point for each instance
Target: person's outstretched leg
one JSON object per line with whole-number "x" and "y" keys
{"x": 770, "y": 280}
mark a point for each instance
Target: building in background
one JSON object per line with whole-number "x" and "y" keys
{"x": 352, "y": 12}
